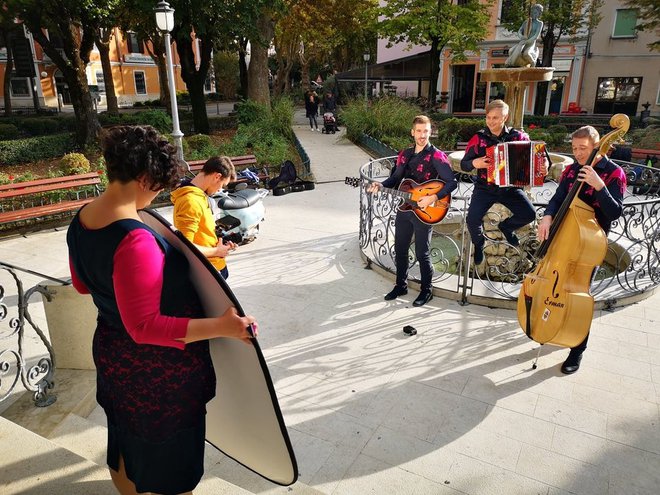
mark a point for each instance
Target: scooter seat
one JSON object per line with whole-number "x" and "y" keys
{"x": 239, "y": 199}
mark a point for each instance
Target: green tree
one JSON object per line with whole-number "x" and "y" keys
{"x": 438, "y": 24}
{"x": 649, "y": 13}
{"x": 333, "y": 34}
{"x": 75, "y": 23}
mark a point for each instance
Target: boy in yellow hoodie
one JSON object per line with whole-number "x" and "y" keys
{"x": 192, "y": 210}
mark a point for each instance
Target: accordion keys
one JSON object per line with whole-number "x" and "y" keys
{"x": 516, "y": 163}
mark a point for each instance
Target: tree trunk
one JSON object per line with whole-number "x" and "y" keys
{"x": 304, "y": 74}
{"x": 73, "y": 70}
{"x": 258, "y": 89}
{"x": 158, "y": 56}
{"x": 6, "y": 85}
{"x": 83, "y": 106}
{"x": 103, "y": 44}
{"x": 195, "y": 78}
{"x": 282, "y": 80}
{"x": 549, "y": 43}
{"x": 243, "y": 68}
{"x": 435, "y": 71}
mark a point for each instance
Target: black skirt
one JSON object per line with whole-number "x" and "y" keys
{"x": 173, "y": 466}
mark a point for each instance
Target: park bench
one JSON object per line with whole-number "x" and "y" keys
{"x": 644, "y": 154}
{"x": 47, "y": 197}
{"x": 240, "y": 163}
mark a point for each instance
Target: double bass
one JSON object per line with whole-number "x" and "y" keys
{"x": 554, "y": 304}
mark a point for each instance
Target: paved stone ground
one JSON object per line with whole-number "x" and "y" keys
{"x": 455, "y": 409}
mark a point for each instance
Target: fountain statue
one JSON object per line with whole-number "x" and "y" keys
{"x": 520, "y": 70}
{"x": 525, "y": 53}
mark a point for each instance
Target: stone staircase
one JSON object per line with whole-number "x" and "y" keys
{"x": 60, "y": 449}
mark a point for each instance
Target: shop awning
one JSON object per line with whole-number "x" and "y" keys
{"x": 412, "y": 68}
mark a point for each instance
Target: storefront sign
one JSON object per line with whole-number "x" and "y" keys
{"x": 562, "y": 65}
{"x": 501, "y": 52}
{"x": 138, "y": 58}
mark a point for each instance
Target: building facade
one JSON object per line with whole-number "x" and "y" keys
{"x": 621, "y": 73}
{"x": 608, "y": 70}
{"x": 134, "y": 73}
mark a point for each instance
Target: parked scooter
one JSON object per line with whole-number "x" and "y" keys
{"x": 239, "y": 213}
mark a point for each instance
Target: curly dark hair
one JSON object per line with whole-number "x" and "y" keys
{"x": 133, "y": 151}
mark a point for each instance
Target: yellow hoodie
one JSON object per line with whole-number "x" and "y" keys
{"x": 194, "y": 218}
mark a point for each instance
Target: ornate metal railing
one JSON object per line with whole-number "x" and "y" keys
{"x": 14, "y": 361}
{"x": 631, "y": 269}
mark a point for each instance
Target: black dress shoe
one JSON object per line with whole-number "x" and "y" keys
{"x": 572, "y": 364}
{"x": 396, "y": 292}
{"x": 424, "y": 297}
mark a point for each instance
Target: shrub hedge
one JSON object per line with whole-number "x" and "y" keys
{"x": 37, "y": 148}
{"x": 156, "y": 118}
{"x": 74, "y": 163}
{"x": 8, "y": 131}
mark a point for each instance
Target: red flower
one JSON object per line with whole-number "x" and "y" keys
{"x": 100, "y": 171}
{"x": 11, "y": 177}
{"x": 532, "y": 126}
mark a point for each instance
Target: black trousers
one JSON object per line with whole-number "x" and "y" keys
{"x": 484, "y": 197}
{"x": 581, "y": 347}
{"x": 406, "y": 225}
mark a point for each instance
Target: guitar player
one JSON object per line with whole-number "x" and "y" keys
{"x": 421, "y": 162}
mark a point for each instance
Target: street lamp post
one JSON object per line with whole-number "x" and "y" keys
{"x": 366, "y": 58}
{"x": 165, "y": 23}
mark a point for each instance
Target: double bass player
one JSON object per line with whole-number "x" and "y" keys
{"x": 603, "y": 189}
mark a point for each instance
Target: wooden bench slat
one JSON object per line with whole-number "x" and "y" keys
{"x": 25, "y": 191}
{"x": 73, "y": 184}
{"x": 39, "y": 211}
{"x": 50, "y": 180}
{"x": 243, "y": 160}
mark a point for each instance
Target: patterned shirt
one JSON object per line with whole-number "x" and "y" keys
{"x": 607, "y": 203}
{"x": 430, "y": 163}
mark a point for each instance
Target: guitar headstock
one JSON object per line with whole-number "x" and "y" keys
{"x": 352, "y": 181}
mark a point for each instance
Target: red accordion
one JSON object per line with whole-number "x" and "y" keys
{"x": 516, "y": 163}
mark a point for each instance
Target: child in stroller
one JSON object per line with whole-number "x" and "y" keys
{"x": 329, "y": 123}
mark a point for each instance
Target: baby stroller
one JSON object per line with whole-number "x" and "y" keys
{"x": 329, "y": 123}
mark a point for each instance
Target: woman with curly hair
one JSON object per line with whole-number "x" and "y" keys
{"x": 150, "y": 347}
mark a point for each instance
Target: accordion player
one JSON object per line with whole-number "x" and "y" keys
{"x": 516, "y": 163}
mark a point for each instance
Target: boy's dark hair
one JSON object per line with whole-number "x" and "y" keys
{"x": 221, "y": 165}
{"x": 133, "y": 151}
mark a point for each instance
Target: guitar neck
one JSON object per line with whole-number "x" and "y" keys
{"x": 395, "y": 192}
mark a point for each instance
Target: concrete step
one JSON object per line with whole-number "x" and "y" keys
{"x": 76, "y": 393}
{"x": 33, "y": 465}
{"x": 76, "y": 425}
{"x": 89, "y": 440}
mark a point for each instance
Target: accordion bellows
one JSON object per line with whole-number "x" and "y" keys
{"x": 516, "y": 163}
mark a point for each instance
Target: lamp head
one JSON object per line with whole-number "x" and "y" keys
{"x": 366, "y": 56}
{"x": 164, "y": 16}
